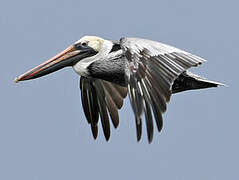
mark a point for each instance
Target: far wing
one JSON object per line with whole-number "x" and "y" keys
{"x": 101, "y": 98}
{"x": 151, "y": 70}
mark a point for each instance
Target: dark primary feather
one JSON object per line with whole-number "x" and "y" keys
{"x": 90, "y": 104}
{"x": 115, "y": 95}
{"x": 101, "y": 98}
{"x": 151, "y": 71}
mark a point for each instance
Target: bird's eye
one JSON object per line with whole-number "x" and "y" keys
{"x": 84, "y": 44}
{"x": 81, "y": 45}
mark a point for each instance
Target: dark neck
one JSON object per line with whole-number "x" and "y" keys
{"x": 111, "y": 69}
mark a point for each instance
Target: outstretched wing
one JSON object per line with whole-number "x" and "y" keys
{"x": 101, "y": 98}
{"x": 151, "y": 70}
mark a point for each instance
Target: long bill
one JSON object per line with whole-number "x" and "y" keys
{"x": 55, "y": 63}
{"x": 68, "y": 57}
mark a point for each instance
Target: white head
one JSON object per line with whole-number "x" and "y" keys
{"x": 92, "y": 41}
{"x": 101, "y": 46}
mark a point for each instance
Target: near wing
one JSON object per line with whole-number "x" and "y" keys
{"x": 151, "y": 70}
{"x": 100, "y": 98}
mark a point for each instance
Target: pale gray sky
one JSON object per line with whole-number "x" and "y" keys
{"x": 43, "y": 132}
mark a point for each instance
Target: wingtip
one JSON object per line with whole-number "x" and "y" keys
{"x": 94, "y": 137}
{"x": 107, "y": 139}
{"x": 221, "y": 84}
{"x": 150, "y": 141}
{"x": 94, "y": 130}
{"x": 138, "y": 137}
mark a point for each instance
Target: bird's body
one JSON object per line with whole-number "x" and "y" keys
{"x": 149, "y": 71}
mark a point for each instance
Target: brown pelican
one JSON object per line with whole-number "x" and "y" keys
{"x": 150, "y": 72}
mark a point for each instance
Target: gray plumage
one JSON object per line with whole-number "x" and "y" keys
{"x": 148, "y": 70}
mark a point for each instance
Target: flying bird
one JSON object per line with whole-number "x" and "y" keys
{"x": 148, "y": 71}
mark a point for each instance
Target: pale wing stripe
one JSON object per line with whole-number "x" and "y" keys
{"x": 152, "y": 69}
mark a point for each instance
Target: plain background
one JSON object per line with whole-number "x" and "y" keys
{"x": 43, "y": 132}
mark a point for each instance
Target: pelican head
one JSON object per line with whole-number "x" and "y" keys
{"x": 83, "y": 49}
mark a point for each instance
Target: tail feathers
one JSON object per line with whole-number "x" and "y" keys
{"x": 190, "y": 81}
